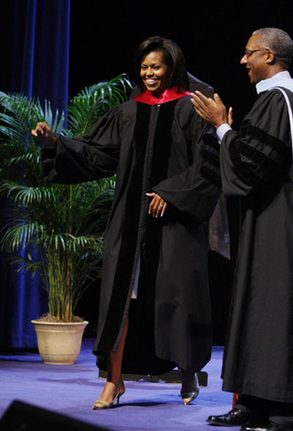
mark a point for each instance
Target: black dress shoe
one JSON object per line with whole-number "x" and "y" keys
{"x": 189, "y": 380}
{"x": 264, "y": 426}
{"x": 233, "y": 418}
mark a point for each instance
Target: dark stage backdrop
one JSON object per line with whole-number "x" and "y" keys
{"x": 105, "y": 35}
{"x": 54, "y": 48}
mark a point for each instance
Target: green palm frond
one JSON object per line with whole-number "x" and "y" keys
{"x": 24, "y": 195}
{"x": 94, "y": 101}
{"x": 23, "y": 113}
{"x": 19, "y": 235}
{"x": 18, "y": 150}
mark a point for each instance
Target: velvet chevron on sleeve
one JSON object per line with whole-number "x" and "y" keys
{"x": 261, "y": 150}
{"x": 211, "y": 164}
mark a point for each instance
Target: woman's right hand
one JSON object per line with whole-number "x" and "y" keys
{"x": 43, "y": 131}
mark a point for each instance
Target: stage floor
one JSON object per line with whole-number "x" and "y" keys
{"x": 71, "y": 389}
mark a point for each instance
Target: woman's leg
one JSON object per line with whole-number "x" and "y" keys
{"x": 115, "y": 358}
{"x": 114, "y": 386}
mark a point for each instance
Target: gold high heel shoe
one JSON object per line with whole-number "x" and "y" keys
{"x": 188, "y": 397}
{"x": 118, "y": 392}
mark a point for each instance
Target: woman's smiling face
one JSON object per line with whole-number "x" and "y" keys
{"x": 154, "y": 73}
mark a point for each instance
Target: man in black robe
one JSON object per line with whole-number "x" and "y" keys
{"x": 256, "y": 166}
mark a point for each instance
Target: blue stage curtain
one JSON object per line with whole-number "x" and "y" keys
{"x": 35, "y": 50}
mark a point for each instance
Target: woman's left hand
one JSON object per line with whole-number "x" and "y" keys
{"x": 157, "y": 206}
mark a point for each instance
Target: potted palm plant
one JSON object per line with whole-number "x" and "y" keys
{"x": 54, "y": 230}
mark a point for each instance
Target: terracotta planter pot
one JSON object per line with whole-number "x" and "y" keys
{"x": 58, "y": 342}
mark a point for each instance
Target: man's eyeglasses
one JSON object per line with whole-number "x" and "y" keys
{"x": 249, "y": 52}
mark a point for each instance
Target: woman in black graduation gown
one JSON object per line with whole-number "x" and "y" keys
{"x": 154, "y": 311}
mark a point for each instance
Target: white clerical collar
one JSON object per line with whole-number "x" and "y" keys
{"x": 281, "y": 79}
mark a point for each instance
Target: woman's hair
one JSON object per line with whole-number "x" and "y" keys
{"x": 279, "y": 42}
{"x": 173, "y": 58}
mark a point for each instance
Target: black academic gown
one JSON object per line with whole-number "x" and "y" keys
{"x": 151, "y": 148}
{"x": 256, "y": 165}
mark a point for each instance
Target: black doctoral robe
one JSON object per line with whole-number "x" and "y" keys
{"x": 256, "y": 165}
{"x": 152, "y": 148}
